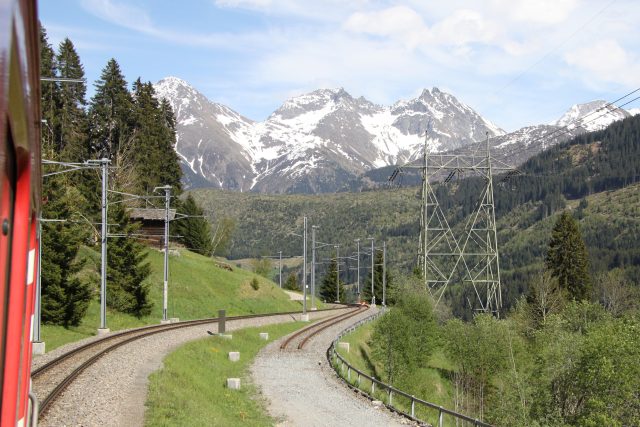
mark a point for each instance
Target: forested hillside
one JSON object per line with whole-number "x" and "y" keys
{"x": 135, "y": 132}
{"x": 592, "y": 174}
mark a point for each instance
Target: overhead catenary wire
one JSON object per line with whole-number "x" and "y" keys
{"x": 545, "y": 138}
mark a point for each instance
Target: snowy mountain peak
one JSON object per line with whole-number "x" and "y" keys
{"x": 634, "y": 111}
{"x": 171, "y": 86}
{"x": 591, "y": 116}
{"x": 314, "y": 141}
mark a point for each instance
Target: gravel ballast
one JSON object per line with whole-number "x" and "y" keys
{"x": 302, "y": 389}
{"x": 113, "y": 391}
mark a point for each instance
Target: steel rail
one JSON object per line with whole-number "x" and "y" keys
{"x": 187, "y": 323}
{"x": 130, "y": 336}
{"x": 288, "y": 341}
{"x": 317, "y": 331}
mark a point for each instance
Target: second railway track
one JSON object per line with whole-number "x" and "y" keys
{"x": 51, "y": 379}
{"x": 300, "y": 338}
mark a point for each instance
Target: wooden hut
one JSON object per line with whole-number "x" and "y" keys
{"x": 151, "y": 224}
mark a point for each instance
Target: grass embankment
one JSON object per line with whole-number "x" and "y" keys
{"x": 190, "y": 390}
{"x": 430, "y": 383}
{"x": 198, "y": 288}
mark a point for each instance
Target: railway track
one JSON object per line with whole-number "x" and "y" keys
{"x": 51, "y": 379}
{"x": 304, "y": 335}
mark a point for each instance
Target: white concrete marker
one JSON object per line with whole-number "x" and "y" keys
{"x": 344, "y": 345}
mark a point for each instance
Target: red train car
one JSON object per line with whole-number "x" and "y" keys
{"x": 20, "y": 186}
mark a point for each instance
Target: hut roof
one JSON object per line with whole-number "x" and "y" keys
{"x": 151, "y": 214}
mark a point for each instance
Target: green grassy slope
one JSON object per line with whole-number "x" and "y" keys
{"x": 430, "y": 383}
{"x": 190, "y": 390}
{"x": 198, "y": 288}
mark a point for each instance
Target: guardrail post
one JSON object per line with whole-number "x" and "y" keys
{"x": 441, "y": 411}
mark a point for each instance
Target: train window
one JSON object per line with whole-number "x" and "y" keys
{"x": 7, "y": 202}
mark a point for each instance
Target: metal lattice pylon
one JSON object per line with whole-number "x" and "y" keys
{"x": 471, "y": 254}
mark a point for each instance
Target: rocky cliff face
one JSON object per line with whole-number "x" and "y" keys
{"x": 313, "y": 142}
{"x": 323, "y": 140}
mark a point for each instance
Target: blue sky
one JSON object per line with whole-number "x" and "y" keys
{"x": 516, "y": 62}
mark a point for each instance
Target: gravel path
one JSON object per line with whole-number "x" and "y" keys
{"x": 113, "y": 391}
{"x": 303, "y": 390}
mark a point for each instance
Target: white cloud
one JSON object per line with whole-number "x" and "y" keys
{"x": 122, "y": 14}
{"x": 605, "y": 61}
{"x": 404, "y": 24}
{"x": 462, "y": 27}
{"x": 544, "y": 12}
{"x": 385, "y": 49}
{"x": 386, "y": 22}
{"x": 138, "y": 20}
{"x": 325, "y": 10}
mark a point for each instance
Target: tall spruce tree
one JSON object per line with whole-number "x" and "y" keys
{"x": 110, "y": 113}
{"x": 330, "y": 284}
{"x": 50, "y": 97}
{"x": 126, "y": 267}
{"x": 74, "y": 127}
{"x": 72, "y": 117}
{"x": 65, "y": 298}
{"x": 195, "y": 230}
{"x": 567, "y": 258}
{"x": 154, "y": 156}
{"x": 378, "y": 269}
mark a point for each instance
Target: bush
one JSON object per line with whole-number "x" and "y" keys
{"x": 255, "y": 284}
{"x": 292, "y": 283}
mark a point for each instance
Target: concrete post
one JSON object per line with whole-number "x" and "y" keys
{"x": 222, "y": 317}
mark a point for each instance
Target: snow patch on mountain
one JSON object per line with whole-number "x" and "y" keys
{"x": 591, "y": 116}
{"x": 313, "y": 140}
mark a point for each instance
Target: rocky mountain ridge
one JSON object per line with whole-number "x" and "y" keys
{"x": 317, "y": 142}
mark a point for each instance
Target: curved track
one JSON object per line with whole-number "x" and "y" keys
{"x": 52, "y": 378}
{"x": 304, "y": 335}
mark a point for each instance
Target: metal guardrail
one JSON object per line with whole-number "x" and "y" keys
{"x": 340, "y": 366}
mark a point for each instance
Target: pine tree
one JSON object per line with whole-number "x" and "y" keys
{"x": 65, "y": 298}
{"x": 110, "y": 113}
{"x": 567, "y": 258}
{"x": 50, "y": 97}
{"x": 72, "y": 117}
{"x": 328, "y": 291}
{"x": 378, "y": 269}
{"x": 154, "y": 156}
{"x": 126, "y": 266}
{"x": 74, "y": 127}
{"x": 195, "y": 232}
